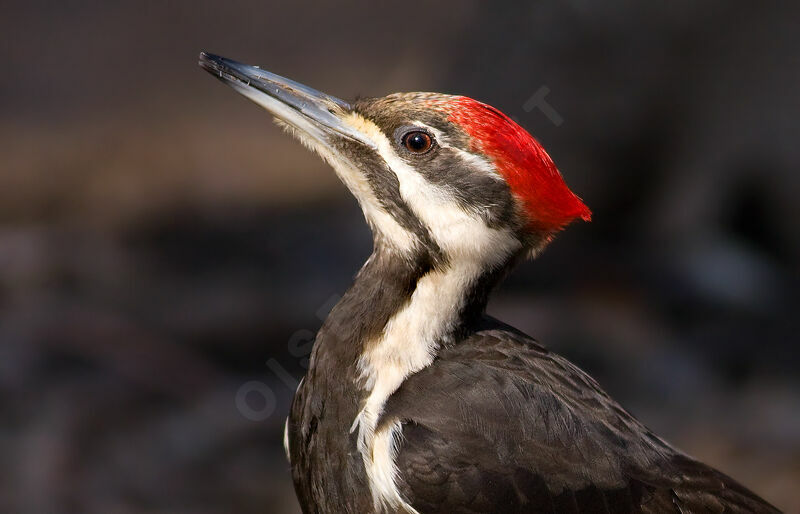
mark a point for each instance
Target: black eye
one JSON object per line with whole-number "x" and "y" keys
{"x": 417, "y": 141}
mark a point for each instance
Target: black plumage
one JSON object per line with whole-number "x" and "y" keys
{"x": 496, "y": 424}
{"x": 508, "y": 427}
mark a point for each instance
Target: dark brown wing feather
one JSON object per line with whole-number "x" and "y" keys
{"x": 500, "y": 425}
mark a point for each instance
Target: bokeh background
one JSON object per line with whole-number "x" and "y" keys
{"x": 166, "y": 253}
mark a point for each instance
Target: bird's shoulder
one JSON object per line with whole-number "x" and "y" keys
{"x": 507, "y": 387}
{"x": 500, "y": 424}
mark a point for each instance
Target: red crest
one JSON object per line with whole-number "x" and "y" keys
{"x": 521, "y": 160}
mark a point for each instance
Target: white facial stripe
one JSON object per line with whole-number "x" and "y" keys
{"x": 440, "y": 136}
{"x": 458, "y": 232}
{"x": 478, "y": 162}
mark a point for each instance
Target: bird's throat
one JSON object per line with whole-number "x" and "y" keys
{"x": 400, "y": 311}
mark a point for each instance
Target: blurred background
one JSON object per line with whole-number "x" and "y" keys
{"x": 166, "y": 253}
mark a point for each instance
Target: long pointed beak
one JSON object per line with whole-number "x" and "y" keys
{"x": 317, "y": 114}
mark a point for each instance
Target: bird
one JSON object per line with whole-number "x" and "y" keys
{"x": 417, "y": 401}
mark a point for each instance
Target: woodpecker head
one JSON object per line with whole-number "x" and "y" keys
{"x": 443, "y": 174}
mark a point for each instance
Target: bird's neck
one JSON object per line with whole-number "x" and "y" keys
{"x": 401, "y": 309}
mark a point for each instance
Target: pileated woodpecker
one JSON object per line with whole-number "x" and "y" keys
{"x": 415, "y": 400}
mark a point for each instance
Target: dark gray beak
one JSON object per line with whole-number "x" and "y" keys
{"x": 316, "y": 114}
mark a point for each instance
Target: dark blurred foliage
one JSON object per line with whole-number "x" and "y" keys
{"x": 164, "y": 249}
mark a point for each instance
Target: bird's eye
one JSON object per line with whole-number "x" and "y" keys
{"x": 417, "y": 141}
